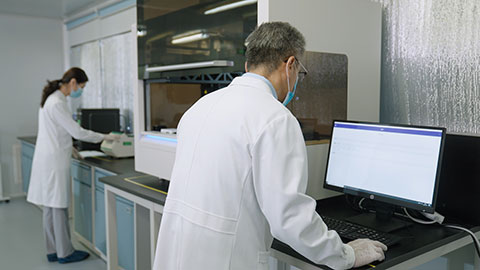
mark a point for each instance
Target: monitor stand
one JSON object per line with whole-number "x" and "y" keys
{"x": 383, "y": 220}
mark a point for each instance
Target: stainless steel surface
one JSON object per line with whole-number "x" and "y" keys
{"x": 322, "y": 96}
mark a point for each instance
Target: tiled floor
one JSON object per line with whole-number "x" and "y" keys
{"x": 22, "y": 245}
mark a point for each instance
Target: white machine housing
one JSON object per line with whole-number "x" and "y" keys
{"x": 124, "y": 147}
{"x": 350, "y": 27}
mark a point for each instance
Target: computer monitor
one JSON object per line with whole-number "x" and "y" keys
{"x": 394, "y": 164}
{"x": 99, "y": 120}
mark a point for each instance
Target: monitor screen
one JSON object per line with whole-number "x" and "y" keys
{"x": 390, "y": 163}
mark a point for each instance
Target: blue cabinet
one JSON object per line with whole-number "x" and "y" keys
{"x": 26, "y": 159}
{"x": 82, "y": 199}
{"x": 125, "y": 233}
{"x": 100, "y": 225}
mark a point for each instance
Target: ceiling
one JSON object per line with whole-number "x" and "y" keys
{"x": 56, "y": 9}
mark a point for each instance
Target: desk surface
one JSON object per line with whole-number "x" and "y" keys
{"x": 142, "y": 185}
{"x": 418, "y": 239}
{"x": 114, "y": 165}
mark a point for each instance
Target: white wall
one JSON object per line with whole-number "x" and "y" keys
{"x": 31, "y": 51}
{"x": 350, "y": 27}
{"x": 102, "y": 27}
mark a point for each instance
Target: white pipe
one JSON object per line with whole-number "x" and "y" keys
{"x": 213, "y": 63}
{"x": 191, "y": 38}
{"x": 229, "y": 6}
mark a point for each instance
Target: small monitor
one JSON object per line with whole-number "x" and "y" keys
{"x": 99, "y": 120}
{"x": 393, "y": 164}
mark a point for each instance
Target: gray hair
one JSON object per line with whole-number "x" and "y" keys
{"x": 272, "y": 43}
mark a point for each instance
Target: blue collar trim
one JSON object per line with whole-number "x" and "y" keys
{"x": 254, "y": 75}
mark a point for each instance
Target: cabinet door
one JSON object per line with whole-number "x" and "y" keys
{"x": 26, "y": 159}
{"x": 82, "y": 199}
{"x": 83, "y": 209}
{"x": 26, "y": 171}
{"x": 100, "y": 229}
{"x": 125, "y": 233}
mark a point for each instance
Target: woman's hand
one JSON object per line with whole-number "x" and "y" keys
{"x": 112, "y": 137}
{"x": 76, "y": 154}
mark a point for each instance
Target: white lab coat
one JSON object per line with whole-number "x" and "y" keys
{"x": 50, "y": 178}
{"x": 239, "y": 178}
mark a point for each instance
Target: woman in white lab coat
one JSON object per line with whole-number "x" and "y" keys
{"x": 50, "y": 178}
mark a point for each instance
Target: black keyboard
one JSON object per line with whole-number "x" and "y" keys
{"x": 350, "y": 231}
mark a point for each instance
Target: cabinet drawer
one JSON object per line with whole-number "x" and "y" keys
{"x": 82, "y": 173}
{"x": 99, "y": 174}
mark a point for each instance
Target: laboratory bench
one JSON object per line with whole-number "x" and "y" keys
{"x": 88, "y": 201}
{"x": 147, "y": 195}
{"x": 419, "y": 244}
{"x": 114, "y": 165}
{"x": 117, "y": 214}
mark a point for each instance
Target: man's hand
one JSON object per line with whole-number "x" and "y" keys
{"x": 367, "y": 251}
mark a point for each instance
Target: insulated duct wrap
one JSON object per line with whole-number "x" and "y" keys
{"x": 111, "y": 73}
{"x": 431, "y": 63}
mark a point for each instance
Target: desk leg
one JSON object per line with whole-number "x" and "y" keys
{"x": 111, "y": 229}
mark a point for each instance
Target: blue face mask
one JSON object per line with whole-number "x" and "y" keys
{"x": 290, "y": 94}
{"x": 76, "y": 93}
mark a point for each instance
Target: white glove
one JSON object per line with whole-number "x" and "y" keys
{"x": 76, "y": 154}
{"x": 112, "y": 137}
{"x": 367, "y": 251}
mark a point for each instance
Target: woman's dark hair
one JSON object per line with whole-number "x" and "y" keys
{"x": 74, "y": 73}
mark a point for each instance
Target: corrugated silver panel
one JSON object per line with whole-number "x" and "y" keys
{"x": 108, "y": 64}
{"x": 431, "y": 63}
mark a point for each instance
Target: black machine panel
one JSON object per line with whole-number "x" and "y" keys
{"x": 460, "y": 179}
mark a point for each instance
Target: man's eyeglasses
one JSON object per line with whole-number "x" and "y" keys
{"x": 302, "y": 73}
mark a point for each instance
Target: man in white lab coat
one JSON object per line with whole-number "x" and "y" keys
{"x": 240, "y": 173}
